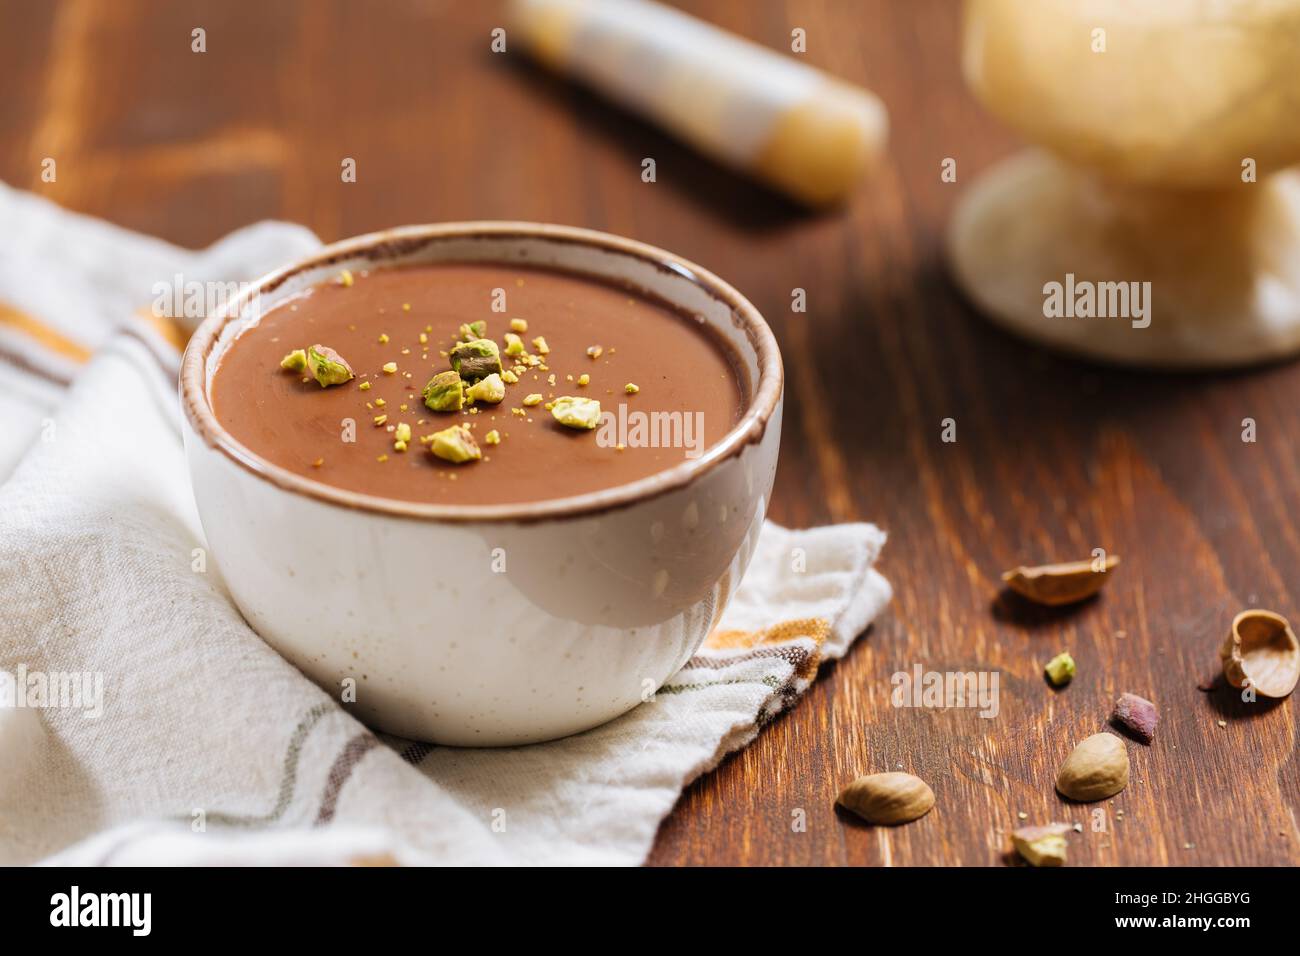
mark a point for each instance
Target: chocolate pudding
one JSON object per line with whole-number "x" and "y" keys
{"x": 476, "y": 384}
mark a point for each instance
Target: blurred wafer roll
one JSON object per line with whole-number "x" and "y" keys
{"x": 791, "y": 125}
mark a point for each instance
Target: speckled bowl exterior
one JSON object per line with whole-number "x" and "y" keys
{"x": 556, "y": 616}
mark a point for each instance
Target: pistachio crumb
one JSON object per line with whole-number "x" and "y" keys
{"x": 380, "y": 419}
{"x": 539, "y": 343}
{"x": 509, "y": 377}
{"x": 383, "y": 338}
{"x": 576, "y": 412}
{"x": 399, "y": 445}
{"x": 345, "y": 278}
{"x": 455, "y": 444}
{"x": 403, "y": 432}
{"x": 584, "y": 379}
{"x": 381, "y": 459}
{"x": 364, "y": 386}
{"x": 533, "y": 399}
{"x": 518, "y": 325}
{"x": 424, "y": 338}
{"x": 295, "y": 361}
{"x": 492, "y": 438}
{"x": 514, "y": 344}
{"x": 318, "y": 462}
{"x": 380, "y": 402}
{"x": 631, "y": 389}
{"x": 390, "y": 368}
{"x": 595, "y": 351}
{"x": 406, "y": 307}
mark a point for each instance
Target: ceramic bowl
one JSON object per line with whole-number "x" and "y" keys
{"x": 558, "y": 615}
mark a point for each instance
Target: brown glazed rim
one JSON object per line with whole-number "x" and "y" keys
{"x": 382, "y": 246}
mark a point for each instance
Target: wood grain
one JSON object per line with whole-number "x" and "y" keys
{"x": 1053, "y": 458}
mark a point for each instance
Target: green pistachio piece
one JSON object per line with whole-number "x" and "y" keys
{"x": 490, "y": 390}
{"x": 455, "y": 444}
{"x": 514, "y": 344}
{"x": 476, "y": 359}
{"x": 328, "y": 366}
{"x": 576, "y": 412}
{"x": 295, "y": 361}
{"x": 474, "y": 330}
{"x": 445, "y": 392}
{"x": 1060, "y": 669}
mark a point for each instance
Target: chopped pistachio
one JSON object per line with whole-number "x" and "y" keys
{"x": 328, "y": 367}
{"x": 383, "y": 338}
{"x": 403, "y": 432}
{"x": 472, "y": 331}
{"x": 533, "y": 399}
{"x": 476, "y": 359}
{"x": 631, "y": 389}
{"x": 318, "y": 462}
{"x": 364, "y": 386}
{"x": 518, "y": 325}
{"x": 406, "y": 307}
{"x": 380, "y": 419}
{"x": 345, "y": 278}
{"x": 539, "y": 343}
{"x": 445, "y": 392}
{"x": 509, "y": 377}
{"x": 490, "y": 389}
{"x": 492, "y": 438}
{"x": 424, "y": 338}
{"x": 1060, "y": 669}
{"x": 295, "y": 361}
{"x": 531, "y": 360}
{"x": 399, "y": 445}
{"x": 584, "y": 379}
{"x": 514, "y": 344}
{"x": 390, "y": 367}
{"x": 576, "y": 412}
{"x": 455, "y": 444}
{"x": 381, "y": 459}
{"x": 595, "y": 351}
{"x": 380, "y": 402}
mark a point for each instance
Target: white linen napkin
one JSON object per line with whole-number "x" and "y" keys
{"x": 191, "y": 741}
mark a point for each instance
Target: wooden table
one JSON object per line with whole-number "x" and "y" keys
{"x": 1053, "y": 458}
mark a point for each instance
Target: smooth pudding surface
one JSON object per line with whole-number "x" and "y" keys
{"x": 688, "y": 389}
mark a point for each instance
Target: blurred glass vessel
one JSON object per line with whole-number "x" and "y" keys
{"x": 1167, "y": 128}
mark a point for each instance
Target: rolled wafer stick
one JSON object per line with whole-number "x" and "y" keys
{"x": 790, "y": 125}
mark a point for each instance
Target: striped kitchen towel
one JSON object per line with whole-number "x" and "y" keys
{"x": 140, "y": 682}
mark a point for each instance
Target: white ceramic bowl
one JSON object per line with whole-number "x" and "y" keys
{"x": 602, "y": 597}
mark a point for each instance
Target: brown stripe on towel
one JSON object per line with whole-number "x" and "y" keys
{"x": 341, "y": 771}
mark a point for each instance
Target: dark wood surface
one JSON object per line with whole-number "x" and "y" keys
{"x": 1053, "y": 457}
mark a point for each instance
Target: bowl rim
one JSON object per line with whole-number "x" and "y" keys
{"x": 393, "y": 243}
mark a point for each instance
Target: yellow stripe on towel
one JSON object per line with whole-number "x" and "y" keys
{"x": 45, "y": 336}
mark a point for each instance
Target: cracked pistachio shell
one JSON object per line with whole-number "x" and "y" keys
{"x": 1057, "y": 584}
{"x": 1262, "y": 652}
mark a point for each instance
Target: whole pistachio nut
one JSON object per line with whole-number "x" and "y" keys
{"x": 489, "y": 389}
{"x": 327, "y": 366}
{"x": 1057, "y": 584}
{"x": 445, "y": 392}
{"x": 1096, "y": 769}
{"x": 888, "y": 798}
{"x": 295, "y": 361}
{"x": 576, "y": 412}
{"x": 476, "y": 359}
{"x": 455, "y": 444}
